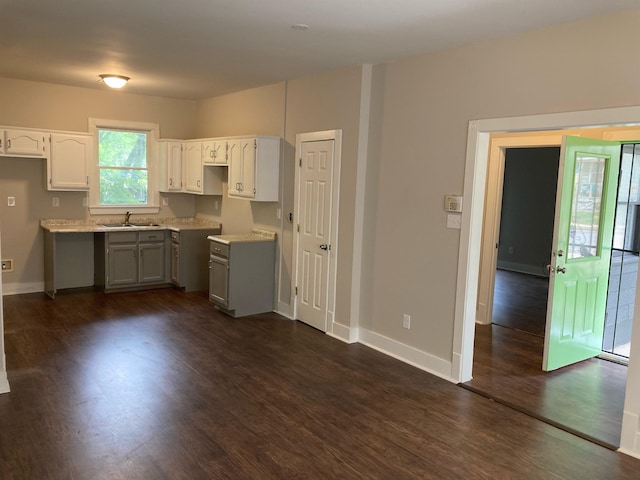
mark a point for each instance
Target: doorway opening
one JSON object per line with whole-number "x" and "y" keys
{"x": 596, "y": 387}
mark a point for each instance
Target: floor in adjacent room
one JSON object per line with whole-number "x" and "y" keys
{"x": 586, "y": 398}
{"x": 159, "y": 385}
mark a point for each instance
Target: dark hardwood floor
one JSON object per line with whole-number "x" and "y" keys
{"x": 159, "y": 385}
{"x": 586, "y": 398}
{"x": 520, "y": 301}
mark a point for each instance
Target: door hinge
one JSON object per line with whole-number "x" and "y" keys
{"x": 296, "y": 291}
{"x": 300, "y": 161}
{"x": 298, "y": 227}
{"x": 255, "y": 144}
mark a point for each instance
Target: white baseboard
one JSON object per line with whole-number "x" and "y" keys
{"x": 4, "y": 383}
{"x": 19, "y": 288}
{"x": 631, "y": 453}
{"x": 630, "y": 438}
{"x": 344, "y": 333}
{"x": 285, "y": 310}
{"x": 419, "y": 359}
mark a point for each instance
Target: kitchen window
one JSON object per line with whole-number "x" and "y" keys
{"x": 123, "y": 178}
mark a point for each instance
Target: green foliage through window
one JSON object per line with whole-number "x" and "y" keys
{"x": 122, "y": 160}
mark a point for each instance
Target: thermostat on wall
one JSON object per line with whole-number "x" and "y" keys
{"x": 453, "y": 203}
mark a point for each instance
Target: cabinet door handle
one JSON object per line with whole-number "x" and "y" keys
{"x": 171, "y": 182}
{"x": 9, "y": 143}
{"x": 212, "y": 154}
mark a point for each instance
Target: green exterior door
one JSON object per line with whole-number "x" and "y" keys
{"x": 582, "y": 238}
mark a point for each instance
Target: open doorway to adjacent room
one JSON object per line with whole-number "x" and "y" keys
{"x": 585, "y": 398}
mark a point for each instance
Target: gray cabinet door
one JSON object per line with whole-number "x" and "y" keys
{"x": 151, "y": 262}
{"x": 122, "y": 265}
{"x": 219, "y": 280}
{"x": 175, "y": 263}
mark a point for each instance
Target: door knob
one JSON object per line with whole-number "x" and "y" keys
{"x": 324, "y": 247}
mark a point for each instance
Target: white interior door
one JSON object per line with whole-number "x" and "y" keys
{"x": 315, "y": 191}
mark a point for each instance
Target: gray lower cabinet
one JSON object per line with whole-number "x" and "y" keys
{"x": 122, "y": 266}
{"x": 241, "y": 276}
{"x": 132, "y": 259}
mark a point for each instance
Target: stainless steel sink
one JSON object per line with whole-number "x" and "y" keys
{"x": 129, "y": 225}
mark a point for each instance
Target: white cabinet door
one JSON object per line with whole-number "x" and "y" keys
{"x": 234, "y": 160}
{"x": 68, "y": 165}
{"x": 26, "y": 143}
{"x": 248, "y": 161}
{"x": 254, "y": 166}
{"x": 193, "y": 167}
{"x": 214, "y": 152}
{"x": 170, "y": 159}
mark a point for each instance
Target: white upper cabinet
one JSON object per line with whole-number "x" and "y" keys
{"x": 254, "y": 166}
{"x": 214, "y": 152}
{"x": 24, "y": 143}
{"x": 199, "y": 178}
{"x": 192, "y": 152}
{"x": 170, "y": 159}
{"x": 69, "y": 162}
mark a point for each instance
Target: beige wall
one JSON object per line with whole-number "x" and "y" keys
{"x": 258, "y": 111}
{"x": 428, "y": 102}
{"x": 329, "y": 102}
{"x": 323, "y": 102}
{"x": 48, "y": 106}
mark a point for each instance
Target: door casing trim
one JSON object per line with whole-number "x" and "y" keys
{"x": 336, "y": 136}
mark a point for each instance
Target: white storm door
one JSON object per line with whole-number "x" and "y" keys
{"x": 316, "y": 173}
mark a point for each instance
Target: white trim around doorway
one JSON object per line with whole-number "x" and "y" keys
{"x": 335, "y": 135}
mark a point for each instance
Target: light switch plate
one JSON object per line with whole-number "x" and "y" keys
{"x": 454, "y": 221}
{"x": 11, "y": 201}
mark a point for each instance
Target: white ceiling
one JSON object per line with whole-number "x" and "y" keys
{"x": 202, "y": 48}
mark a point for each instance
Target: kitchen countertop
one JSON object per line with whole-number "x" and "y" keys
{"x": 175, "y": 224}
{"x": 256, "y": 235}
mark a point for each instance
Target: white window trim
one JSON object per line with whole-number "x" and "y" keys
{"x": 153, "y": 132}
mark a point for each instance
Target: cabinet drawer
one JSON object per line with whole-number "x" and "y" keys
{"x": 122, "y": 237}
{"x": 155, "y": 236}
{"x": 219, "y": 249}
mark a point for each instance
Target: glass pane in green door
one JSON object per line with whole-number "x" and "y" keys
{"x": 586, "y": 205}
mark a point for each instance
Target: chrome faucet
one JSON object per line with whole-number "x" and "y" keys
{"x": 126, "y": 218}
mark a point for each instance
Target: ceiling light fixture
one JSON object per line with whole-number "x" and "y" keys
{"x": 300, "y": 26}
{"x": 114, "y": 81}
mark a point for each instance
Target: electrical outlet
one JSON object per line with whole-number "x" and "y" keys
{"x": 406, "y": 321}
{"x": 7, "y": 265}
{"x": 11, "y": 201}
{"x": 216, "y": 204}
{"x": 278, "y": 213}
{"x": 165, "y": 201}
{"x": 85, "y": 202}
{"x": 55, "y": 201}
{"x": 510, "y": 250}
